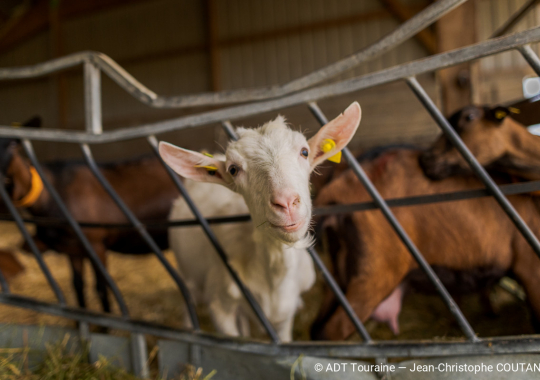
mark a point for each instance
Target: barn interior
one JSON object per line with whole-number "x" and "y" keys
{"x": 190, "y": 47}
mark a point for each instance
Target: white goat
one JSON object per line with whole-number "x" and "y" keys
{"x": 268, "y": 171}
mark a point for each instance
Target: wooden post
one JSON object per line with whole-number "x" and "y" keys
{"x": 454, "y": 30}
{"x": 59, "y": 84}
{"x": 426, "y": 37}
{"x": 213, "y": 45}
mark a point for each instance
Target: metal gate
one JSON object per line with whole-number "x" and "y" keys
{"x": 270, "y": 99}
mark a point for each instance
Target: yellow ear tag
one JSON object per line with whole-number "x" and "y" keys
{"x": 500, "y": 115}
{"x": 208, "y": 154}
{"x": 514, "y": 110}
{"x": 210, "y": 169}
{"x": 326, "y": 146}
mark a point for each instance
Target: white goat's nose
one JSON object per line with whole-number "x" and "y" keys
{"x": 285, "y": 200}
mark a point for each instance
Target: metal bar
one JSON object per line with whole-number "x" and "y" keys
{"x": 395, "y": 349}
{"x": 153, "y": 224}
{"x": 143, "y": 233}
{"x": 139, "y": 356}
{"x": 342, "y": 300}
{"x": 418, "y": 67}
{"x": 507, "y": 189}
{"x": 474, "y": 164}
{"x": 92, "y": 98}
{"x": 45, "y": 68}
{"x": 4, "y": 283}
{"x": 217, "y": 246}
{"x": 29, "y": 149}
{"x": 514, "y": 18}
{"x": 33, "y": 248}
{"x": 510, "y": 189}
{"x": 403, "y": 236}
{"x": 358, "y": 325}
{"x": 402, "y": 33}
{"x": 530, "y": 56}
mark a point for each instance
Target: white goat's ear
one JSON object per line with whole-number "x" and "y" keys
{"x": 193, "y": 165}
{"x": 340, "y": 130}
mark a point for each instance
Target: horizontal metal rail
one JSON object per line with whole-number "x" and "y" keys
{"x": 389, "y": 349}
{"x": 131, "y": 85}
{"x": 507, "y": 189}
{"x": 396, "y": 73}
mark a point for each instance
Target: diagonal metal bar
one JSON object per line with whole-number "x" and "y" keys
{"x": 530, "y": 56}
{"x": 404, "y": 237}
{"x": 139, "y": 227}
{"x": 29, "y": 149}
{"x": 217, "y": 246}
{"x": 474, "y": 164}
{"x": 514, "y": 18}
{"x": 4, "y": 283}
{"x": 26, "y": 235}
{"x": 342, "y": 300}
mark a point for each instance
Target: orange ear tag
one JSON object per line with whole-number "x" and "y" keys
{"x": 326, "y": 146}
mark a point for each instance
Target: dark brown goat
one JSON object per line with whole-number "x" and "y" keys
{"x": 371, "y": 261}
{"x": 497, "y": 141}
{"x": 143, "y": 184}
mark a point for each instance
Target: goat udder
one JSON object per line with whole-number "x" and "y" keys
{"x": 389, "y": 309}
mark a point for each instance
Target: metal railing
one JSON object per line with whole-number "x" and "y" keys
{"x": 95, "y": 63}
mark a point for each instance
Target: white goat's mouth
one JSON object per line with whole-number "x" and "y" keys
{"x": 290, "y": 227}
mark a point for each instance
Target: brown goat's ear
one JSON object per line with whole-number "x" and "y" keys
{"x": 497, "y": 114}
{"x": 193, "y": 165}
{"x": 339, "y": 131}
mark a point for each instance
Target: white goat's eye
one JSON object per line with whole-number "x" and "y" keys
{"x": 304, "y": 152}
{"x": 233, "y": 170}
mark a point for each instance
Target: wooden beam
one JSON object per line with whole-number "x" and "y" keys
{"x": 426, "y": 37}
{"x": 454, "y": 30}
{"x": 213, "y": 45}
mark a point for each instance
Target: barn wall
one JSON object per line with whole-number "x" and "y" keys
{"x": 500, "y": 76}
{"x": 164, "y": 44}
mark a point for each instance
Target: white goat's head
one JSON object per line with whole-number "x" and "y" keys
{"x": 270, "y": 167}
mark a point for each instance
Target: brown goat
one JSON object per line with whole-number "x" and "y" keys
{"x": 143, "y": 184}
{"x": 9, "y": 265}
{"x": 497, "y": 141}
{"x": 371, "y": 261}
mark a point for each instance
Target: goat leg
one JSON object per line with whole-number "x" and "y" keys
{"x": 101, "y": 283}
{"x": 77, "y": 271}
